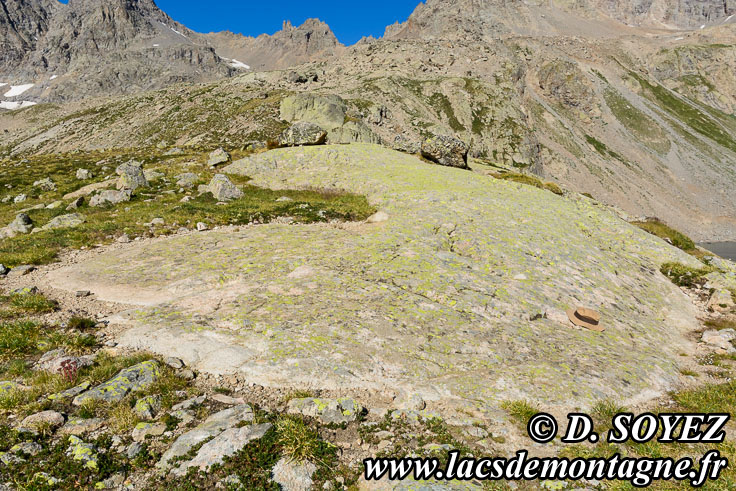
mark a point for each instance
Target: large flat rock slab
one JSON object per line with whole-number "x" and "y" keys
{"x": 437, "y": 300}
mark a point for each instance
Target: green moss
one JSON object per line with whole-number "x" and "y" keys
{"x": 663, "y": 231}
{"x": 521, "y": 411}
{"x": 530, "y": 180}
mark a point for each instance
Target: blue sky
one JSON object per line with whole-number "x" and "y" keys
{"x": 349, "y": 20}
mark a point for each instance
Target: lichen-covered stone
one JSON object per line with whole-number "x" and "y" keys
{"x": 147, "y": 407}
{"x": 135, "y": 378}
{"x": 302, "y": 134}
{"x": 65, "y": 221}
{"x": 131, "y": 176}
{"x": 83, "y": 452}
{"x": 143, "y": 430}
{"x": 223, "y": 189}
{"x": 186, "y": 180}
{"x": 8, "y": 386}
{"x": 446, "y": 150}
{"x": 21, "y": 225}
{"x": 326, "y": 410}
{"x": 227, "y": 443}
{"x": 110, "y": 197}
{"x": 218, "y": 157}
{"x": 212, "y": 426}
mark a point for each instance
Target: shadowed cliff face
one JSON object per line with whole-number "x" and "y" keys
{"x": 22, "y": 22}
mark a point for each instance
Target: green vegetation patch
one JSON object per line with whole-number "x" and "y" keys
{"x": 162, "y": 200}
{"x": 644, "y": 128}
{"x": 603, "y": 149}
{"x": 530, "y": 180}
{"x": 685, "y": 276}
{"x": 711, "y": 126}
{"x": 663, "y": 231}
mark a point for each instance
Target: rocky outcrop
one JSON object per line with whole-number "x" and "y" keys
{"x": 22, "y": 23}
{"x": 446, "y": 150}
{"x": 301, "y": 134}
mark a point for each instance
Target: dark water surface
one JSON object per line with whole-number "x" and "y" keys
{"x": 726, "y": 250}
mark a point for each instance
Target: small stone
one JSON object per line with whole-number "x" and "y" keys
{"x": 21, "y": 225}
{"x": 83, "y": 293}
{"x": 378, "y": 217}
{"x": 224, "y": 399}
{"x": 201, "y": 226}
{"x": 84, "y": 174}
{"x": 45, "y": 184}
{"x": 475, "y": 432}
{"x": 227, "y": 443}
{"x": 83, "y": 452}
{"x": 223, "y": 189}
{"x": 81, "y": 426}
{"x": 54, "y": 205}
{"x": 4, "y": 270}
{"x": 44, "y": 420}
{"x": 20, "y": 198}
{"x": 187, "y": 180}
{"x": 143, "y": 430}
{"x": 124, "y": 239}
{"x": 69, "y": 393}
{"x": 75, "y": 204}
{"x": 292, "y": 476}
{"x": 284, "y": 199}
{"x": 133, "y": 450}
{"x": 147, "y": 407}
{"x": 327, "y": 410}
{"x": 28, "y": 448}
{"x": 158, "y": 222}
{"x": 416, "y": 403}
{"x": 189, "y": 403}
{"x": 174, "y": 363}
{"x": 113, "y": 482}
{"x": 53, "y": 361}
{"x": 218, "y": 157}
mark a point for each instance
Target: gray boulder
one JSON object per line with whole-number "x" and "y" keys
{"x": 147, "y": 407}
{"x": 132, "y": 379}
{"x": 446, "y": 150}
{"x": 327, "y": 111}
{"x": 327, "y": 410}
{"x": 110, "y": 197}
{"x": 223, "y": 189}
{"x": 84, "y": 174}
{"x": 218, "y": 157}
{"x": 4, "y": 270}
{"x": 45, "y": 184}
{"x": 64, "y": 221}
{"x": 21, "y": 225}
{"x": 131, "y": 176}
{"x": 77, "y": 203}
{"x": 302, "y": 134}
{"x": 187, "y": 180}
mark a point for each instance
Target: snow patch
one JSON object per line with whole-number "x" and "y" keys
{"x": 679, "y": 39}
{"x": 3, "y": 84}
{"x": 239, "y": 64}
{"x": 177, "y": 32}
{"x": 729, "y": 18}
{"x": 156, "y": 45}
{"x": 13, "y": 105}
{"x": 53, "y": 77}
{"x": 18, "y": 90}
{"x": 703, "y": 26}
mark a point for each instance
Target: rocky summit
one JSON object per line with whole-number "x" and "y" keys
{"x": 257, "y": 262}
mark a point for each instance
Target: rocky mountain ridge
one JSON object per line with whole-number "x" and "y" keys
{"x": 90, "y": 48}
